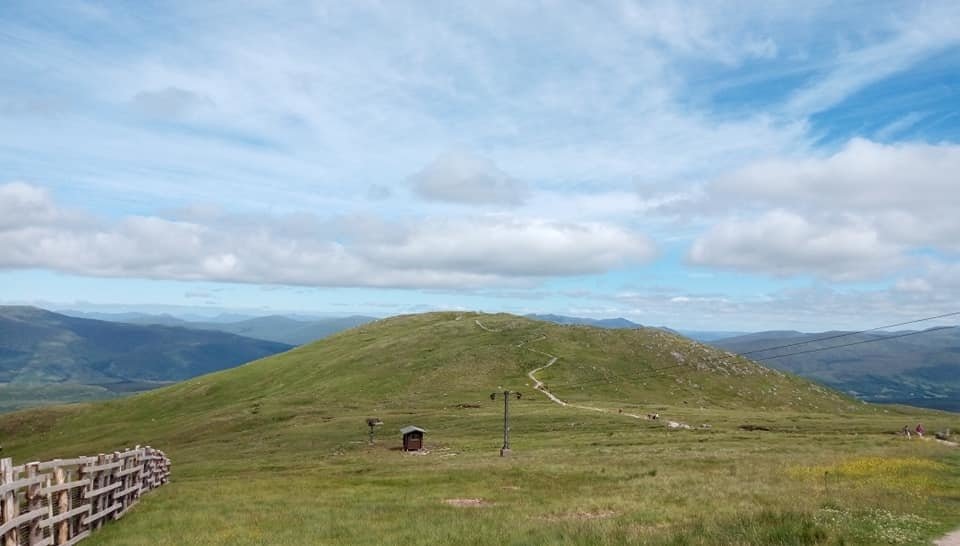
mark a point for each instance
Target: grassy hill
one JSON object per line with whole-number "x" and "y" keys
{"x": 48, "y": 357}
{"x": 921, "y": 370}
{"x": 275, "y": 451}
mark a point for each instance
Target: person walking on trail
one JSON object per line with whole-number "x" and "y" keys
{"x": 906, "y": 430}
{"x": 920, "y": 430}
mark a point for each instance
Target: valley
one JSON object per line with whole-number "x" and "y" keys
{"x": 48, "y": 358}
{"x": 918, "y": 368}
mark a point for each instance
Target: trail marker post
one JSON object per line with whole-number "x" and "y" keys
{"x": 373, "y": 422}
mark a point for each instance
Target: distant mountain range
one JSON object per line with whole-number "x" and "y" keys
{"x": 598, "y": 323}
{"x": 920, "y": 370}
{"x": 277, "y": 328}
{"x": 706, "y": 336}
{"x": 45, "y": 355}
{"x": 697, "y": 335}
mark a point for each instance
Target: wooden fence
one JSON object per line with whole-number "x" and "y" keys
{"x": 62, "y": 501}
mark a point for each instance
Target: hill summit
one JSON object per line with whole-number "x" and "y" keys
{"x": 442, "y": 359}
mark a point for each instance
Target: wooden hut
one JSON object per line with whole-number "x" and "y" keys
{"x": 412, "y": 438}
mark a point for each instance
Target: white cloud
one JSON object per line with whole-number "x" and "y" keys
{"x": 466, "y": 178}
{"x": 932, "y": 289}
{"x": 863, "y": 176}
{"x": 499, "y": 245}
{"x": 304, "y": 249}
{"x": 783, "y": 243}
{"x": 22, "y": 202}
{"x": 855, "y": 214}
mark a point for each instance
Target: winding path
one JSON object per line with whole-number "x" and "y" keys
{"x": 484, "y": 327}
{"x": 950, "y": 539}
{"x": 539, "y": 385}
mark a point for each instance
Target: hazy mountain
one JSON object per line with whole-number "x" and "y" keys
{"x": 709, "y": 335}
{"x": 128, "y": 316}
{"x": 277, "y": 328}
{"x": 921, "y": 370}
{"x": 611, "y": 323}
{"x": 38, "y": 348}
{"x": 698, "y": 335}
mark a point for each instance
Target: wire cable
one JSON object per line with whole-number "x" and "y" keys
{"x": 885, "y": 338}
{"x": 847, "y": 334}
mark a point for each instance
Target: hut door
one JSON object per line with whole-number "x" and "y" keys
{"x": 415, "y": 441}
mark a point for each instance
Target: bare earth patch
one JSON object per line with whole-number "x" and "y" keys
{"x": 467, "y": 503}
{"x": 582, "y": 515}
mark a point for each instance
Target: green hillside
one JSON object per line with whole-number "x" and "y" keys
{"x": 287, "y": 432}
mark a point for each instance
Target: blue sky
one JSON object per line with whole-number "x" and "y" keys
{"x": 710, "y": 166}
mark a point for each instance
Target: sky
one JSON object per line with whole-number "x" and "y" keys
{"x": 711, "y": 165}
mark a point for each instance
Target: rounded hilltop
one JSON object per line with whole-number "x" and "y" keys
{"x": 426, "y": 360}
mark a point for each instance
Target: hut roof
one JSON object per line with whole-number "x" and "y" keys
{"x": 409, "y": 429}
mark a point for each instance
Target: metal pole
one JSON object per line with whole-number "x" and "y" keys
{"x": 505, "y": 450}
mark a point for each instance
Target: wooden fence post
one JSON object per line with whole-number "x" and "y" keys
{"x": 115, "y": 477}
{"x": 91, "y": 476}
{"x": 10, "y": 502}
{"x": 98, "y": 483}
{"x": 62, "y": 531}
{"x": 121, "y": 496}
{"x": 34, "y": 502}
{"x": 148, "y": 468}
{"x": 138, "y": 475}
{"x": 145, "y": 470}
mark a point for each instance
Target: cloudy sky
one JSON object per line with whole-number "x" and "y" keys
{"x": 712, "y": 166}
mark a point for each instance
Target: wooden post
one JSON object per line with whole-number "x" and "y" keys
{"x": 34, "y": 502}
{"x": 91, "y": 477}
{"x": 98, "y": 482}
{"x": 115, "y": 477}
{"x": 11, "y": 504}
{"x": 138, "y": 475}
{"x": 62, "y": 532}
{"x": 147, "y": 468}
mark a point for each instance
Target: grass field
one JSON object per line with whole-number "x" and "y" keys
{"x": 276, "y": 452}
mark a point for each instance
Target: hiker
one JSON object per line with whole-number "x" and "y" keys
{"x": 920, "y": 430}
{"x": 906, "y": 430}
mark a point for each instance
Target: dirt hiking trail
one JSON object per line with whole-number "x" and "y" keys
{"x": 540, "y": 386}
